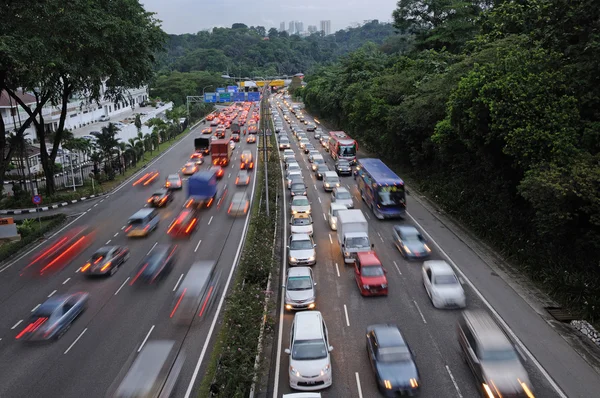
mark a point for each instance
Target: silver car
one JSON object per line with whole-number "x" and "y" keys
{"x": 300, "y": 289}
{"x": 300, "y": 204}
{"x": 290, "y": 177}
{"x": 301, "y": 224}
{"x": 342, "y": 196}
{"x": 442, "y": 285}
{"x": 301, "y": 250}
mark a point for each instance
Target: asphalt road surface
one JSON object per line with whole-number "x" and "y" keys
{"x": 555, "y": 369}
{"x": 100, "y": 345}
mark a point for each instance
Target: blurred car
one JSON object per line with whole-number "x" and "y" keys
{"x": 215, "y": 122}
{"x": 300, "y": 204}
{"x": 311, "y": 127}
{"x": 410, "y": 242}
{"x": 155, "y": 371}
{"x": 301, "y": 250}
{"x": 321, "y": 170}
{"x": 184, "y": 224}
{"x": 239, "y": 204}
{"x": 251, "y": 139}
{"x": 156, "y": 265}
{"x": 252, "y": 129}
{"x": 232, "y": 144}
{"x": 189, "y": 169}
{"x": 301, "y": 224}
{"x": 219, "y": 170}
{"x": 54, "y": 317}
{"x": 147, "y": 178}
{"x": 442, "y": 285}
{"x": 246, "y": 160}
{"x": 298, "y": 188}
{"x": 235, "y": 137}
{"x": 300, "y": 289}
{"x": 392, "y": 361}
{"x": 106, "y": 260}
{"x": 317, "y": 161}
{"x": 342, "y": 196}
{"x": 317, "y": 135}
{"x": 284, "y": 143}
{"x": 142, "y": 223}
{"x": 312, "y": 153}
{"x": 197, "y": 158}
{"x": 173, "y": 182}
{"x": 343, "y": 167}
{"x": 161, "y": 197}
{"x": 370, "y": 275}
{"x": 289, "y": 158}
{"x": 308, "y": 147}
{"x": 288, "y": 152}
{"x": 330, "y": 181}
{"x": 207, "y": 130}
{"x": 196, "y": 293}
{"x": 243, "y": 178}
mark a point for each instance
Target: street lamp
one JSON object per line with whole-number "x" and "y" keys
{"x": 204, "y": 88}
{"x": 264, "y": 118}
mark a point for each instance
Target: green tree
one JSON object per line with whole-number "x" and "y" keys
{"x": 108, "y": 144}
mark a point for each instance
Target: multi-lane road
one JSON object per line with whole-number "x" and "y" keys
{"x": 555, "y": 369}
{"x": 120, "y": 318}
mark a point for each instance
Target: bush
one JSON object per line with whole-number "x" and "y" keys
{"x": 33, "y": 233}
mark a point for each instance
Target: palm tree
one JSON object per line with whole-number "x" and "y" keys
{"x": 138, "y": 123}
{"x": 148, "y": 143}
{"x": 139, "y": 143}
{"x": 155, "y": 140}
{"x": 133, "y": 151}
{"x": 108, "y": 144}
{"x": 96, "y": 158}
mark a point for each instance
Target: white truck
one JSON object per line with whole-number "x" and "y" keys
{"x": 353, "y": 234}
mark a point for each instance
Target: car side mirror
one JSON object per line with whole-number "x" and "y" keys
{"x": 283, "y": 286}
{"x": 343, "y": 245}
{"x": 372, "y": 245}
{"x": 290, "y": 223}
{"x": 330, "y": 348}
{"x": 314, "y": 245}
{"x": 287, "y": 351}
{"x": 288, "y": 247}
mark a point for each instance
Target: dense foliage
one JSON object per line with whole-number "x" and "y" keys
{"x": 495, "y": 110}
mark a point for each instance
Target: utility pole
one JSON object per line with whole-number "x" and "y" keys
{"x": 265, "y": 119}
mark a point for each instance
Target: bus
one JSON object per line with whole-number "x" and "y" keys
{"x": 381, "y": 189}
{"x": 341, "y": 146}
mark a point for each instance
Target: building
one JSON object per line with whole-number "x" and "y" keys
{"x": 291, "y": 28}
{"x": 312, "y": 29}
{"x": 325, "y": 27}
{"x": 282, "y": 26}
{"x": 299, "y": 27}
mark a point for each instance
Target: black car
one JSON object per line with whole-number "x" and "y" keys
{"x": 106, "y": 261}
{"x": 298, "y": 188}
{"x": 343, "y": 167}
{"x": 321, "y": 169}
{"x": 161, "y": 197}
{"x": 392, "y": 361}
{"x": 156, "y": 266}
{"x": 410, "y": 242}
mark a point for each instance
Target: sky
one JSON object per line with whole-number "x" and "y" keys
{"x": 191, "y": 16}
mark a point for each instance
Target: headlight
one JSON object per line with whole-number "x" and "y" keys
{"x": 325, "y": 370}
{"x": 327, "y": 184}
{"x": 346, "y": 254}
{"x": 384, "y": 285}
{"x": 294, "y": 371}
{"x": 288, "y": 307}
{"x": 311, "y": 258}
{"x": 311, "y": 306}
{"x": 365, "y": 286}
{"x": 387, "y": 384}
{"x": 293, "y": 259}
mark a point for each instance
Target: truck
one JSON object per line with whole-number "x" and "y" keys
{"x": 220, "y": 152}
{"x": 235, "y": 128}
{"x": 202, "y": 189}
{"x": 353, "y": 234}
{"x": 202, "y": 145}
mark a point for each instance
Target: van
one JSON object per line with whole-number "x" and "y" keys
{"x": 142, "y": 223}
{"x": 330, "y": 181}
{"x": 196, "y": 293}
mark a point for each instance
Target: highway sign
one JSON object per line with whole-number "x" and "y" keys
{"x": 224, "y": 97}
{"x": 253, "y": 96}
{"x": 221, "y": 90}
{"x": 210, "y": 97}
{"x": 36, "y": 199}
{"x": 232, "y": 89}
{"x": 239, "y": 97}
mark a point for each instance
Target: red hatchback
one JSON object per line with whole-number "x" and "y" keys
{"x": 370, "y": 275}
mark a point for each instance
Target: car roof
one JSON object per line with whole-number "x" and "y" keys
{"x": 300, "y": 237}
{"x": 172, "y": 176}
{"x": 330, "y": 174}
{"x": 160, "y": 191}
{"x": 406, "y": 229}
{"x": 299, "y": 271}
{"x": 338, "y": 206}
{"x": 486, "y": 329}
{"x": 299, "y": 197}
{"x": 240, "y": 196}
{"x": 388, "y": 336}
{"x": 142, "y": 213}
{"x": 440, "y": 267}
{"x": 190, "y": 164}
{"x": 308, "y": 325}
{"x": 369, "y": 258}
{"x": 341, "y": 189}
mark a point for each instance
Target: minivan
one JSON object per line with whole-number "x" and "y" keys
{"x": 142, "y": 223}
{"x": 330, "y": 181}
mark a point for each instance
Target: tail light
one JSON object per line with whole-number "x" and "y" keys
{"x": 105, "y": 267}
{"x": 85, "y": 267}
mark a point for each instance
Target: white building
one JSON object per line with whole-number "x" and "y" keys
{"x": 282, "y": 26}
{"x": 326, "y": 27}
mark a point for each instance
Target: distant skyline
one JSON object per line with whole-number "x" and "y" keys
{"x": 187, "y": 16}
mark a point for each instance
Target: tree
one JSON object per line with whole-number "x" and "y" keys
{"x": 108, "y": 145}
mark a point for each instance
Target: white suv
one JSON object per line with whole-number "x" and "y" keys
{"x": 310, "y": 361}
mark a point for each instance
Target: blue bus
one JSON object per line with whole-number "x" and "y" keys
{"x": 380, "y": 188}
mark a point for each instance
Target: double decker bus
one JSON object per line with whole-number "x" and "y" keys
{"x": 341, "y": 146}
{"x": 381, "y": 189}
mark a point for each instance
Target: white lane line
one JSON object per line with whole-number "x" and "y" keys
{"x": 16, "y": 324}
{"x": 76, "y": 340}
{"x": 123, "y": 227}
{"x": 337, "y": 269}
{"x": 96, "y": 205}
{"x": 228, "y": 175}
{"x": 52, "y": 294}
{"x": 115, "y": 235}
{"x": 358, "y": 385}
{"x": 209, "y": 221}
{"x": 197, "y": 246}
{"x": 66, "y": 280}
{"x": 330, "y": 240}
{"x": 178, "y": 280}
{"x": 367, "y": 214}
{"x": 152, "y": 248}
{"x": 108, "y": 241}
{"x": 146, "y": 339}
{"x": 315, "y": 185}
{"x": 88, "y": 210}
{"x": 420, "y": 313}
{"x": 380, "y": 237}
{"x": 102, "y": 201}
{"x": 121, "y": 287}
{"x": 398, "y": 268}
{"x": 324, "y": 217}
{"x": 319, "y": 199}
{"x": 346, "y": 312}
{"x": 36, "y": 307}
{"x": 454, "y": 382}
{"x": 512, "y": 334}
{"x": 78, "y": 269}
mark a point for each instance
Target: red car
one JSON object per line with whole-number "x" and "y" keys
{"x": 219, "y": 170}
{"x": 185, "y": 223}
{"x": 370, "y": 275}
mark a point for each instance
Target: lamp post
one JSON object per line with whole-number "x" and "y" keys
{"x": 265, "y": 118}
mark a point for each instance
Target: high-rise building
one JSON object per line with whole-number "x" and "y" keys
{"x": 326, "y": 27}
{"x": 299, "y": 27}
{"x": 291, "y": 28}
{"x": 281, "y": 26}
{"x": 312, "y": 29}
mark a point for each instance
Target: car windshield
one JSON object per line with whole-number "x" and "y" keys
{"x": 332, "y": 180}
{"x": 412, "y": 237}
{"x": 372, "y": 271}
{"x": 343, "y": 164}
{"x": 343, "y": 195}
{"x": 300, "y": 202}
{"x": 99, "y": 254}
{"x": 293, "y": 167}
{"x": 446, "y": 280}
{"x": 390, "y": 196}
{"x": 300, "y": 221}
{"x": 173, "y": 179}
{"x": 394, "y": 354}
{"x": 136, "y": 221}
{"x": 299, "y": 283}
{"x": 301, "y": 245}
{"x": 360, "y": 241}
{"x": 498, "y": 355}
{"x": 309, "y": 350}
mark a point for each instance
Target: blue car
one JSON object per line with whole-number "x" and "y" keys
{"x": 54, "y": 317}
{"x": 409, "y": 241}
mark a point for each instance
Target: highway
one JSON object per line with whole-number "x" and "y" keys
{"x": 555, "y": 369}
{"x": 101, "y": 344}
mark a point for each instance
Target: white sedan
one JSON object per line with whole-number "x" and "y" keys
{"x": 442, "y": 285}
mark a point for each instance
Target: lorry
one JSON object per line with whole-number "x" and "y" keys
{"x": 353, "y": 234}
{"x": 202, "y": 189}
{"x": 202, "y": 145}
{"x": 220, "y": 152}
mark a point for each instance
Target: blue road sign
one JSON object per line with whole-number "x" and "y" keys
{"x": 210, "y": 97}
{"x": 224, "y": 97}
{"x": 37, "y": 199}
{"x": 232, "y": 89}
{"x": 221, "y": 90}
{"x": 253, "y": 96}
{"x": 239, "y": 97}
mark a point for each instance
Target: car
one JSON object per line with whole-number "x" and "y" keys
{"x": 320, "y": 170}
{"x": 393, "y": 361}
{"x": 243, "y": 178}
{"x": 369, "y": 274}
{"x": 246, "y": 160}
{"x": 442, "y": 285}
{"x": 311, "y": 127}
{"x": 308, "y": 148}
{"x": 334, "y": 208}
{"x": 89, "y": 138}
{"x": 207, "y": 130}
{"x": 289, "y": 158}
{"x": 309, "y": 351}
{"x": 330, "y": 181}
{"x": 410, "y": 242}
{"x": 251, "y": 139}
{"x": 232, "y": 144}
{"x": 185, "y": 223}
{"x": 316, "y": 161}
{"x": 301, "y": 223}
{"x": 161, "y": 197}
{"x": 302, "y": 142}
{"x": 189, "y": 169}
{"x": 215, "y": 122}
{"x": 142, "y": 223}
{"x": 218, "y": 170}
{"x": 317, "y": 135}
{"x": 284, "y": 143}
{"x": 290, "y": 175}
{"x": 106, "y": 261}
{"x": 104, "y": 118}
{"x": 252, "y": 129}
{"x": 297, "y": 188}
{"x": 95, "y": 133}
{"x": 54, "y": 317}
{"x": 173, "y": 182}
{"x": 342, "y": 196}
{"x": 300, "y": 289}
{"x": 156, "y": 266}
{"x": 288, "y": 152}
{"x": 300, "y": 204}
{"x": 292, "y": 166}
{"x": 312, "y": 153}
{"x": 301, "y": 250}
{"x": 296, "y": 179}
{"x": 239, "y": 204}
{"x": 147, "y": 178}
{"x": 343, "y": 167}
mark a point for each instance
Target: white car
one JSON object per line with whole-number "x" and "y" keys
{"x": 291, "y": 176}
{"x": 310, "y": 361}
{"x": 292, "y": 166}
{"x": 300, "y": 204}
{"x": 303, "y": 142}
{"x": 312, "y": 153}
{"x": 442, "y": 285}
{"x": 342, "y": 196}
{"x": 330, "y": 181}
{"x": 334, "y": 208}
{"x": 288, "y": 152}
{"x": 300, "y": 289}
{"x": 301, "y": 224}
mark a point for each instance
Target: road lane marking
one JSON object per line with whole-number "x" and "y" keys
{"x": 358, "y": 385}
{"x": 52, "y": 294}
{"x": 66, "y": 280}
{"x": 346, "y": 312}
{"x": 76, "y": 340}
{"x": 324, "y": 217}
{"x": 380, "y": 237}
{"x": 209, "y": 221}
{"x": 315, "y": 185}
{"x": 454, "y": 382}
{"x": 36, "y": 307}
{"x": 398, "y": 268}
{"x": 319, "y": 199}
{"x": 150, "y": 251}
{"x": 228, "y": 175}
{"x": 96, "y": 205}
{"x": 146, "y": 339}
{"x": 108, "y": 241}
{"x": 16, "y": 324}
{"x": 102, "y": 201}
{"x": 420, "y": 313}
{"x": 330, "y": 240}
{"x": 115, "y": 235}
{"x": 367, "y": 214}
{"x": 121, "y": 287}
{"x": 337, "y": 269}
{"x": 197, "y": 246}
{"x": 123, "y": 227}
{"x": 78, "y": 269}
{"x": 88, "y": 210}
{"x": 177, "y": 284}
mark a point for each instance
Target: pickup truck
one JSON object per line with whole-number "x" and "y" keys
{"x": 353, "y": 234}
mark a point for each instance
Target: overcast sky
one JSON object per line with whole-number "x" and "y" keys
{"x": 191, "y": 16}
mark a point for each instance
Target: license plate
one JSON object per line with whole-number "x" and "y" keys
{"x": 310, "y": 382}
